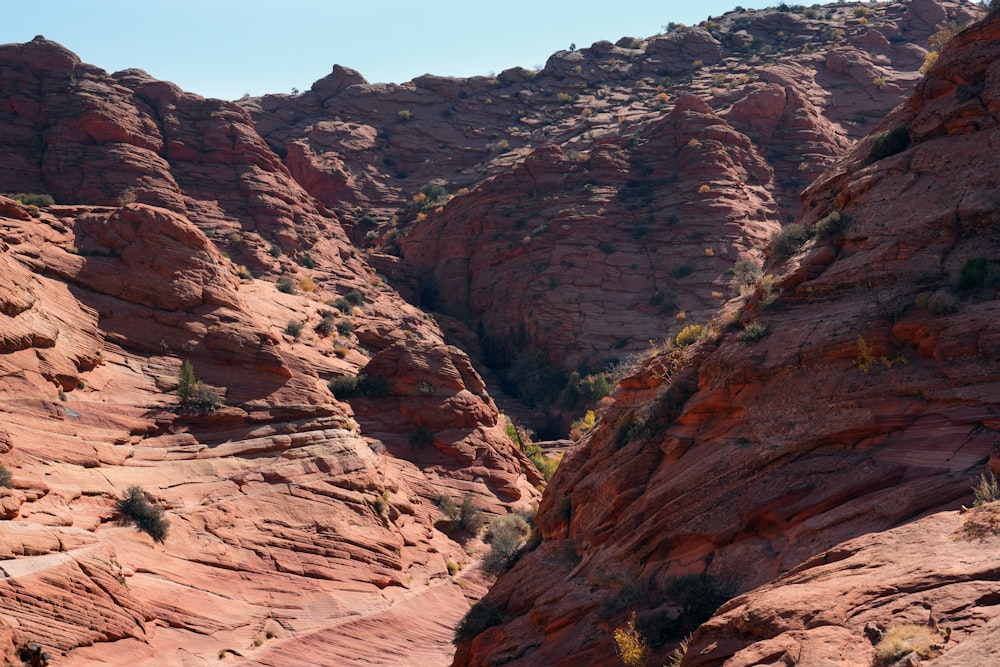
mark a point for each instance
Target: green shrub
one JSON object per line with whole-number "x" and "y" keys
{"x": 275, "y": 250}
{"x": 308, "y": 261}
{"x": 939, "y": 302}
{"x": 689, "y": 334}
{"x": 753, "y": 331}
{"x": 790, "y": 240}
{"x": 32, "y": 199}
{"x": 482, "y": 616}
{"x": 987, "y": 490}
{"x": 421, "y": 437}
{"x": 286, "y": 285}
{"x": 345, "y": 327}
{"x": 404, "y": 115}
{"x": 343, "y": 305}
{"x": 505, "y": 535}
{"x": 327, "y": 323}
{"x": 360, "y": 386}
{"x": 465, "y": 520}
{"x": 135, "y": 508}
{"x": 885, "y": 144}
{"x": 974, "y": 273}
{"x": 193, "y": 393}
{"x": 6, "y": 479}
{"x": 293, "y": 329}
{"x": 830, "y": 225}
{"x": 354, "y": 297}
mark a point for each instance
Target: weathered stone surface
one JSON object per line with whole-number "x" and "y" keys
{"x": 864, "y": 406}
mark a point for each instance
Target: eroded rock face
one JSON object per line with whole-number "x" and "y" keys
{"x": 836, "y": 607}
{"x": 287, "y": 512}
{"x": 870, "y": 400}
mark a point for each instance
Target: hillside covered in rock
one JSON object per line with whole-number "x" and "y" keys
{"x": 579, "y": 211}
{"x": 855, "y": 390}
{"x": 294, "y": 503}
{"x": 281, "y": 335}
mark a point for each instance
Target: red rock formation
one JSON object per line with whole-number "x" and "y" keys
{"x": 871, "y": 400}
{"x": 286, "y": 516}
{"x": 937, "y": 571}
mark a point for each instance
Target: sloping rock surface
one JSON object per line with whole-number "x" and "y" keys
{"x": 870, "y": 398}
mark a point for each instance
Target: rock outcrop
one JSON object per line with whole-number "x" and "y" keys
{"x": 611, "y": 192}
{"x": 290, "y": 512}
{"x": 861, "y": 394}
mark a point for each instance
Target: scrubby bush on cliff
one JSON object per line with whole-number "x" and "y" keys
{"x": 6, "y": 479}
{"x": 790, "y": 240}
{"x": 193, "y": 393}
{"x": 987, "y": 490}
{"x": 481, "y": 617}
{"x": 885, "y": 144}
{"x": 135, "y": 508}
{"x": 505, "y": 535}
{"x": 32, "y": 199}
{"x": 630, "y": 644}
{"x": 361, "y": 386}
{"x": 689, "y": 334}
{"x": 286, "y": 285}
{"x": 977, "y": 272}
{"x": 464, "y": 520}
{"x": 900, "y": 641}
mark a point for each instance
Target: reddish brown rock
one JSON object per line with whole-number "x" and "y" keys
{"x": 865, "y": 405}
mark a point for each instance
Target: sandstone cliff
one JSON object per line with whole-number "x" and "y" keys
{"x": 611, "y": 192}
{"x": 863, "y": 394}
{"x": 179, "y": 236}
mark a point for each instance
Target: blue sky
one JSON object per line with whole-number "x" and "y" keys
{"x": 225, "y": 48}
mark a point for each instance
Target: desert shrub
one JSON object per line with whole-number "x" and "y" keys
{"x": 584, "y": 390}
{"x": 698, "y": 596}
{"x": 506, "y": 535}
{"x": 275, "y": 250}
{"x": 987, "y": 490}
{"x": 186, "y": 382}
{"x": 974, "y": 273}
{"x": 753, "y": 331}
{"x": 902, "y": 640}
{"x": 546, "y": 465}
{"x": 354, "y": 297}
{"x": 434, "y": 194}
{"x": 404, "y": 115}
{"x": 360, "y": 386}
{"x": 470, "y": 518}
{"x": 32, "y": 199}
{"x": 790, "y": 240}
{"x": 286, "y": 285}
{"x": 382, "y": 505}
{"x": 293, "y": 329}
{"x": 689, "y": 334}
{"x": 308, "y": 261}
{"x": 884, "y": 144}
{"x": 746, "y": 275}
{"x": 327, "y": 323}
{"x": 345, "y": 327}
{"x": 940, "y": 302}
{"x": 482, "y": 616}
{"x": 829, "y": 225}
{"x": 631, "y": 646}
{"x": 676, "y": 657}
{"x": 421, "y": 437}
{"x": 465, "y": 520}
{"x": 6, "y": 479}
{"x": 453, "y": 568}
{"x": 135, "y": 508}
{"x": 343, "y": 305}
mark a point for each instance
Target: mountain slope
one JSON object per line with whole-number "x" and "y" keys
{"x": 869, "y": 399}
